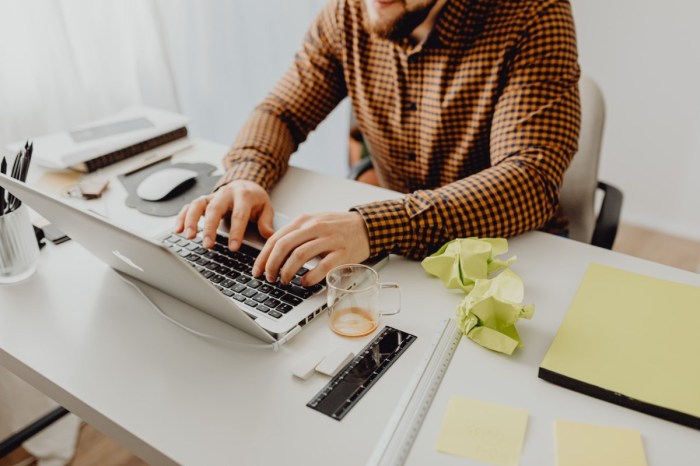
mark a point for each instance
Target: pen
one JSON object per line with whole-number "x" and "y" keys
{"x": 3, "y": 170}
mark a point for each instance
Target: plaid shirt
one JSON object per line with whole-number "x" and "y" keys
{"x": 477, "y": 124}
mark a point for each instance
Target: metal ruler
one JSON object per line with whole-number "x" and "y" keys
{"x": 395, "y": 443}
{"x": 346, "y": 388}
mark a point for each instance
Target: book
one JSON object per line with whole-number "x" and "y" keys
{"x": 632, "y": 340}
{"x": 108, "y": 140}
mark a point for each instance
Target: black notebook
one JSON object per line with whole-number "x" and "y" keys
{"x": 632, "y": 340}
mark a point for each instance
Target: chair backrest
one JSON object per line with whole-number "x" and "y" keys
{"x": 577, "y": 195}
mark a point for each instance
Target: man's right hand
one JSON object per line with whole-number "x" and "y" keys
{"x": 245, "y": 200}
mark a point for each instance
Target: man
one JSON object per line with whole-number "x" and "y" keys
{"x": 470, "y": 106}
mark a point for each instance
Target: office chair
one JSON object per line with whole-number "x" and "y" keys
{"x": 578, "y": 191}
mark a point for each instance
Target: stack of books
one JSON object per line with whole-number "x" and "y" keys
{"x": 103, "y": 142}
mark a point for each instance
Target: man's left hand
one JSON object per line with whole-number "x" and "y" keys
{"x": 337, "y": 238}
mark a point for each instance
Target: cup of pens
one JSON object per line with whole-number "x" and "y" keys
{"x": 19, "y": 251}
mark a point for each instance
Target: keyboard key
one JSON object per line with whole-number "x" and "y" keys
{"x": 275, "y": 314}
{"x": 265, "y": 288}
{"x": 223, "y": 270}
{"x": 262, "y": 308}
{"x": 216, "y": 279}
{"x": 302, "y": 271}
{"x": 271, "y": 303}
{"x": 248, "y": 250}
{"x": 254, "y": 283}
{"x": 291, "y": 299}
{"x": 260, "y": 297}
{"x": 296, "y": 281}
{"x": 303, "y": 293}
{"x": 200, "y": 250}
{"x": 249, "y": 293}
{"x": 233, "y": 274}
{"x": 276, "y": 293}
{"x": 284, "y": 308}
{"x": 192, "y": 246}
{"x": 204, "y": 262}
{"x": 172, "y": 239}
{"x": 315, "y": 288}
{"x": 198, "y": 240}
{"x": 238, "y": 287}
{"x": 243, "y": 279}
{"x": 227, "y": 283}
{"x": 183, "y": 253}
{"x": 210, "y": 254}
{"x": 251, "y": 303}
{"x": 183, "y": 242}
{"x": 239, "y": 297}
{"x": 228, "y": 293}
{"x": 191, "y": 256}
{"x": 207, "y": 273}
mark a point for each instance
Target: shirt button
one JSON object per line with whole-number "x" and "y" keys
{"x": 411, "y": 106}
{"x": 411, "y": 156}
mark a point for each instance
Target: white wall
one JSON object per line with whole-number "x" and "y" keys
{"x": 646, "y": 57}
{"x": 227, "y": 55}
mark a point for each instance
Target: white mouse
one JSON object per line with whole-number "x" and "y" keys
{"x": 162, "y": 183}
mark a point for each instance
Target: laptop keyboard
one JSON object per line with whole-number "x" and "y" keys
{"x": 230, "y": 272}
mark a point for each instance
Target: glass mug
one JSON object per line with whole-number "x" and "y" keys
{"x": 353, "y": 299}
{"x": 19, "y": 251}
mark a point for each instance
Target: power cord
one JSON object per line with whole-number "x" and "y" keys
{"x": 275, "y": 346}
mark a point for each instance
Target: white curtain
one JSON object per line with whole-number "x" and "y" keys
{"x": 226, "y": 55}
{"x": 66, "y": 62}
{"x": 63, "y": 63}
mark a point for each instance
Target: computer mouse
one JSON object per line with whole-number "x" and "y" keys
{"x": 164, "y": 183}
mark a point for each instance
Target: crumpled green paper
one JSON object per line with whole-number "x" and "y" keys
{"x": 461, "y": 262}
{"x": 488, "y": 314}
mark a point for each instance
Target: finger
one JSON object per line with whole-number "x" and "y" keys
{"x": 195, "y": 211}
{"x": 216, "y": 209}
{"x": 287, "y": 246}
{"x": 180, "y": 220}
{"x": 239, "y": 220}
{"x": 300, "y": 256}
{"x": 265, "y": 221}
{"x": 319, "y": 272}
{"x": 261, "y": 262}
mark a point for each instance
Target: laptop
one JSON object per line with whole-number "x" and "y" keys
{"x": 217, "y": 281}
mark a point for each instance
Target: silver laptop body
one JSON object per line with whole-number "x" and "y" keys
{"x": 155, "y": 264}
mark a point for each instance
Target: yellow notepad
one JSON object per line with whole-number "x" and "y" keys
{"x": 633, "y": 340}
{"x": 581, "y": 444}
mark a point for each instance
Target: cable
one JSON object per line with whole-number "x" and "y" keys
{"x": 275, "y": 346}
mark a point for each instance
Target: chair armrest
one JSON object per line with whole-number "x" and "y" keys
{"x": 608, "y": 217}
{"x": 359, "y": 168}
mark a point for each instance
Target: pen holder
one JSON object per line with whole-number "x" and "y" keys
{"x": 19, "y": 251}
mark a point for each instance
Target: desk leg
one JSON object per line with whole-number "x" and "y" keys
{"x": 14, "y": 441}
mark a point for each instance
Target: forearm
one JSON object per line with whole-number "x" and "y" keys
{"x": 502, "y": 201}
{"x": 261, "y": 150}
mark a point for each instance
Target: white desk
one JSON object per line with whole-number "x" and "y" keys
{"x": 86, "y": 339}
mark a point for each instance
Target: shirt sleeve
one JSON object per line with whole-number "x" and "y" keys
{"x": 534, "y": 135}
{"x": 310, "y": 88}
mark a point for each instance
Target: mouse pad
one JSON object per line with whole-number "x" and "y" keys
{"x": 172, "y": 204}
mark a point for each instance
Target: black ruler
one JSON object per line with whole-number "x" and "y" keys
{"x": 344, "y": 390}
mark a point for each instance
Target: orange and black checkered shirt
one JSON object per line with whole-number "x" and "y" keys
{"x": 477, "y": 124}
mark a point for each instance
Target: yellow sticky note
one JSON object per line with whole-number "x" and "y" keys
{"x": 585, "y": 444}
{"x": 483, "y": 431}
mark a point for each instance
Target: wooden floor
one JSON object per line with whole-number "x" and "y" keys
{"x": 94, "y": 448}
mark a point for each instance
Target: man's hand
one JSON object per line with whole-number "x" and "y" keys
{"x": 245, "y": 200}
{"x": 338, "y": 238}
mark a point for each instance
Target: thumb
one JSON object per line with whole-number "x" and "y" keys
{"x": 265, "y": 221}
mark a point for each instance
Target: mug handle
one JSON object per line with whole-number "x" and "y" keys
{"x": 398, "y": 294}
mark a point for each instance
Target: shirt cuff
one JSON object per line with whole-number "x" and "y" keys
{"x": 388, "y": 226}
{"x": 250, "y": 171}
